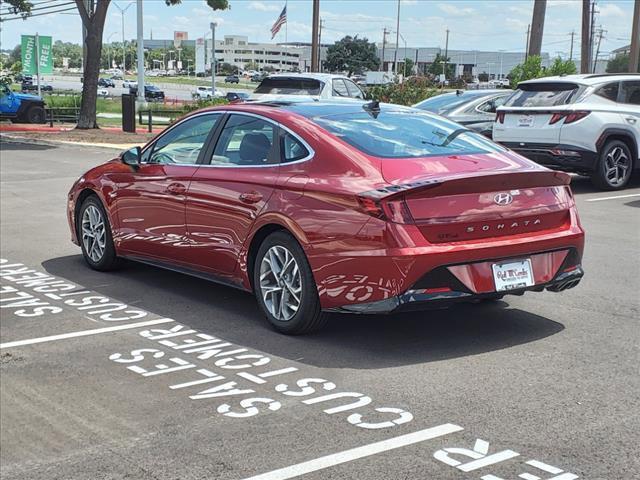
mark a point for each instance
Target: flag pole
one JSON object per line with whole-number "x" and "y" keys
{"x": 286, "y": 24}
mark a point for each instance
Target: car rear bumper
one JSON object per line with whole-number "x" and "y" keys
{"x": 560, "y": 156}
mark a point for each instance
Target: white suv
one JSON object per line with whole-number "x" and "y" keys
{"x": 206, "y": 93}
{"x": 316, "y": 86}
{"x": 588, "y": 124}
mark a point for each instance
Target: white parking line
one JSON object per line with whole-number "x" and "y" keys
{"x": 358, "y": 452}
{"x": 613, "y": 198}
{"x": 84, "y": 333}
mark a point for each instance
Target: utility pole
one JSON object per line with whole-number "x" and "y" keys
{"x": 320, "y": 46}
{"x": 526, "y": 50}
{"x": 585, "y": 41}
{"x": 592, "y": 30}
{"x": 140, "y": 41}
{"x": 213, "y": 26}
{"x": 571, "y": 51}
{"x": 537, "y": 27}
{"x": 635, "y": 40}
{"x": 446, "y": 55}
{"x": 384, "y": 44}
{"x": 38, "y": 62}
{"x": 315, "y": 26}
{"x": 595, "y": 59}
{"x": 395, "y": 56}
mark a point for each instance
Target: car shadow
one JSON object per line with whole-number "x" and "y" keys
{"x": 347, "y": 341}
{"x": 582, "y": 185}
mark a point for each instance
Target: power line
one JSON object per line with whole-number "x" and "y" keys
{"x": 37, "y": 14}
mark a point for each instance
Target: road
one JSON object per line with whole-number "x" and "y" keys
{"x": 118, "y": 375}
{"x": 172, "y": 91}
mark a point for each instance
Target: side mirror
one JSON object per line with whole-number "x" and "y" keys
{"x": 132, "y": 157}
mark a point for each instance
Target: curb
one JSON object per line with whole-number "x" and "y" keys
{"x": 57, "y": 143}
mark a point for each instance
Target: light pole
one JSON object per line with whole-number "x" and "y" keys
{"x": 501, "y": 57}
{"x": 124, "y": 58}
{"x": 108, "y": 39}
{"x": 213, "y": 58}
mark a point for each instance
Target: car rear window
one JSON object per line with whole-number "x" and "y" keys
{"x": 442, "y": 103}
{"x": 543, "y": 94}
{"x": 404, "y": 134}
{"x": 290, "y": 86}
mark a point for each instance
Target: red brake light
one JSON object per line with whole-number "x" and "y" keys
{"x": 500, "y": 117}
{"x": 575, "y": 116}
{"x": 393, "y": 210}
{"x": 556, "y": 117}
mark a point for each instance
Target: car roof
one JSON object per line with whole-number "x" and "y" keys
{"x": 324, "y": 77}
{"x": 586, "y": 79}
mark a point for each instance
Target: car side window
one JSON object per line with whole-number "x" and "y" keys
{"x": 630, "y": 92}
{"x": 245, "y": 141}
{"x": 182, "y": 144}
{"x": 292, "y": 149}
{"x": 609, "y": 91}
{"x": 339, "y": 88}
{"x": 354, "y": 90}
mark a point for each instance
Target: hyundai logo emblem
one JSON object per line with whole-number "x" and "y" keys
{"x": 503, "y": 198}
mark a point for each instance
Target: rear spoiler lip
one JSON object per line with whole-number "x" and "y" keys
{"x": 491, "y": 181}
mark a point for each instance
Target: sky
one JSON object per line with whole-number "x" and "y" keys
{"x": 473, "y": 24}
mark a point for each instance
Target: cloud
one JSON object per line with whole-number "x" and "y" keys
{"x": 611, "y": 10}
{"x": 263, "y": 7}
{"x": 455, "y": 11}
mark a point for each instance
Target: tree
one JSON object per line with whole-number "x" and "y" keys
{"x": 407, "y": 67}
{"x": 483, "y": 77}
{"x": 352, "y": 55}
{"x": 531, "y": 68}
{"x": 437, "y": 67}
{"x": 227, "y": 69}
{"x": 562, "y": 67}
{"x": 93, "y": 19}
{"x": 619, "y": 64}
{"x": 251, "y": 66}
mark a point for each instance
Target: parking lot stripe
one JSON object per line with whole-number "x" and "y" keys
{"x": 358, "y": 452}
{"x": 613, "y": 198}
{"x": 84, "y": 333}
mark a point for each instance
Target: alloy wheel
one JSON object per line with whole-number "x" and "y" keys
{"x": 617, "y": 165}
{"x": 93, "y": 233}
{"x": 280, "y": 283}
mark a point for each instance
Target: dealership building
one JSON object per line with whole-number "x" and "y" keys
{"x": 239, "y": 51}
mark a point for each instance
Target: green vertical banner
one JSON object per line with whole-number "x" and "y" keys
{"x": 29, "y": 54}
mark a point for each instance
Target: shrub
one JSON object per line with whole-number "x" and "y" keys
{"x": 414, "y": 90}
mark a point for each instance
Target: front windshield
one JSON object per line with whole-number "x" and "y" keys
{"x": 404, "y": 134}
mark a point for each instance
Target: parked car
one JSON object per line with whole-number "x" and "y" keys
{"x": 31, "y": 86}
{"x": 21, "y": 107}
{"x": 332, "y": 206}
{"x": 151, "y": 92}
{"x": 129, "y": 84}
{"x": 237, "y": 96}
{"x": 116, "y": 76}
{"x": 323, "y": 86}
{"x": 206, "y": 93}
{"x": 232, "y": 79}
{"x": 258, "y": 77}
{"x": 475, "y": 109}
{"x": 106, "y": 82}
{"x": 103, "y": 92}
{"x": 587, "y": 124}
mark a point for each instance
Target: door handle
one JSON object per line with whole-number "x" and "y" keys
{"x": 250, "y": 197}
{"x": 176, "y": 188}
{"x": 632, "y": 120}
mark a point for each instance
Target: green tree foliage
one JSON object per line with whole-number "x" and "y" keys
{"x": 619, "y": 64}
{"x": 251, "y": 66}
{"x": 68, "y": 50}
{"x": 531, "y": 68}
{"x": 407, "y": 67}
{"x": 352, "y": 55}
{"x": 483, "y": 77}
{"x": 561, "y": 67}
{"x": 438, "y": 67}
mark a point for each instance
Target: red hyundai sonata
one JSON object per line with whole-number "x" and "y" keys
{"x": 317, "y": 207}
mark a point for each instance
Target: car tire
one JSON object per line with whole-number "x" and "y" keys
{"x": 96, "y": 242}
{"x": 614, "y": 167}
{"x": 290, "y": 302}
{"x": 36, "y": 114}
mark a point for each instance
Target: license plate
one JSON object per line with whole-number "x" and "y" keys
{"x": 525, "y": 121}
{"x": 513, "y": 275}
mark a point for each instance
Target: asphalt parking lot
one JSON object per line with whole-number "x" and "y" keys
{"x": 149, "y": 374}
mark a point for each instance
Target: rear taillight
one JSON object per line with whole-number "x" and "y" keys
{"x": 500, "y": 117}
{"x": 569, "y": 117}
{"x": 393, "y": 210}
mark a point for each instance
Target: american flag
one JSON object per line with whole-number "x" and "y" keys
{"x": 282, "y": 19}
